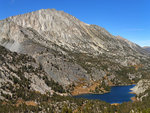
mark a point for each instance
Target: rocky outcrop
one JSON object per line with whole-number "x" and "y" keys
{"x": 141, "y": 88}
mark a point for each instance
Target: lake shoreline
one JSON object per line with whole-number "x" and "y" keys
{"x": 134, "y": 99}
{"x": 116, "y": 96}
{"x": 91, "y": 93}
{"x": 80, "y": 93}
{"x": 115, "y": 104}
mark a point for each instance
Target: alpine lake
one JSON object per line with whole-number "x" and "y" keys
{"x": 118, "y": 94}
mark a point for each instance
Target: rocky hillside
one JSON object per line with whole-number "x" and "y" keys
{"x": 21, "y": 74}
{"x": 74, "y": 54}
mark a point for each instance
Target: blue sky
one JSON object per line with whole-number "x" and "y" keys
{"x": 127, "y": 18}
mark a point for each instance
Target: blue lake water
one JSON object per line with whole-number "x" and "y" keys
{"x": 118, "y": 94}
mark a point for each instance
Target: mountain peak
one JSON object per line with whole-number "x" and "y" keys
{"x": 66, "y": 31}
{"x": 45, "y": 19}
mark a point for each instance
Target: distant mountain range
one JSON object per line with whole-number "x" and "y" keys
{"x": 147, "y": 48}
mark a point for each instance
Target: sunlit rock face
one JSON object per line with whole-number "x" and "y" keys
{"x": 141, "y": 88}
{"x": 54, "y": 37}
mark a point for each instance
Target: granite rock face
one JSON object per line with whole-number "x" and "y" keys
{"x": 141, "y": 88}
{"x": 69, "y": 50}
{"x": 20, "y": 72}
